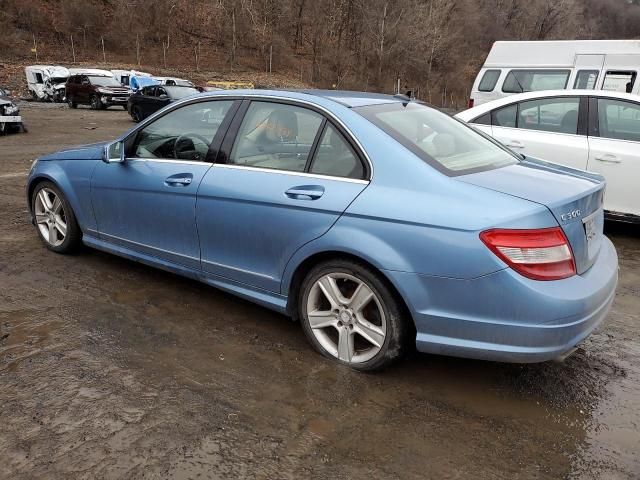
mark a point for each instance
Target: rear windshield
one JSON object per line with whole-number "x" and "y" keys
{"x": 443, "y": 142}
{"x": 104, "y": 81}
{"x": 180, "y": 92}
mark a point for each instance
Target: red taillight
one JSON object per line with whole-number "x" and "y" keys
{"x": 470, "y": 104}
{"x": 542, "y": 254}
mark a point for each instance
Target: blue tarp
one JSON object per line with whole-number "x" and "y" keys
{"x": 136, "y": 83}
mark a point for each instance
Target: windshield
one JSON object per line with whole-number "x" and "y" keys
{"x": 104, "y": 81}
{"x": 180, "y": 92}
{"x": 447, "y": 144}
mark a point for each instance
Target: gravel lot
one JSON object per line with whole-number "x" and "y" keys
{"x": 110, "y": 369}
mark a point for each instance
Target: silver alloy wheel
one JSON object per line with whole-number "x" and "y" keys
{"x": 346, "y": 317}
{"x": 50, "y": 217}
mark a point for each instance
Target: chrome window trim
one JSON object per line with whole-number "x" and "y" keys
{"x": 166, "y": 160}
{"x": 258, "y": 96}
{"x": 291, "y": 173}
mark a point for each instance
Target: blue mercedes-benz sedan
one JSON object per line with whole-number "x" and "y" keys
{"x": 375, "y": 220}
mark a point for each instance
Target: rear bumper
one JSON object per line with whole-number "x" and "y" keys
{"x": 506, "y": 317}
{"x": 10, "y": 119}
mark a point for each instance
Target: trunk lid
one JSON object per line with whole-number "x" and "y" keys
{"x": 574, "y": 197}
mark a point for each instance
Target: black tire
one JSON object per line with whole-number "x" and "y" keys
{"x": 397, "y": 324}
{"x": 96, "y": 103}
{"x": 71, "y": 102}
{"x": 73, "y": 238}
{"x": 136, "y": 114}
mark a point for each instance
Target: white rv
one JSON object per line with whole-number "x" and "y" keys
{"x": 124, "y": 76}
{"x": 46, "y": 82}
{"x": 516, "y": 67}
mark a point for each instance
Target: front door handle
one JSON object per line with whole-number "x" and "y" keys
{"x": 179, "y": 180}
{"x": 608, "y": 158}
{"x": 514, "y": 144}
{"x": 305, "y": 192}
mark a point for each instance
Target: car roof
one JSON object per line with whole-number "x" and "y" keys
{"x": 519, "y": 97}
{"x": 345, "y": 98}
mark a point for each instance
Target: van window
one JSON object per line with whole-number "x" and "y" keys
{"x": 586, "y": 79}
{"x": 518, "y": 81}
{"x": 619, "y": 81}
{"x": 489, "y": 80}
{"x": 619, "y": 119}
{"x": 505, "y": 116}
{"x": 38, "y": 77}
{"x": 558, "y": 115}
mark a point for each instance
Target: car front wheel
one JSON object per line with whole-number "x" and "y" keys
{"x": 350, "y": 315}
{"x": 54, "y": 219}
{"x": 96, "y": 103}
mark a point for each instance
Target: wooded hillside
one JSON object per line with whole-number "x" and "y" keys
{"x": 433, "y": 46}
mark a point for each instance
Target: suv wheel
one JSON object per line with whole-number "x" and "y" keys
{"x": 350, "y": 315}
{"x": 71, "y": 102}
{"x": 136, "y": 115}
{"x": 96, "y": 103}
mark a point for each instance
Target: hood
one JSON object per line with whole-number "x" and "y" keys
{"x": 4, "y": 100}
{"x": 93, "y": 151}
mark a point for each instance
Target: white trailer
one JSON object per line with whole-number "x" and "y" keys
{"x": 516, "y": 67}
{"x": 46, "y": 82}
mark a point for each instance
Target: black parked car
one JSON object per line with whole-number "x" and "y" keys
{"x": 150, "y": 99}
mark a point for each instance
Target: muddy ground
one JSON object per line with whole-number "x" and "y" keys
{"x": 110, "y": 369}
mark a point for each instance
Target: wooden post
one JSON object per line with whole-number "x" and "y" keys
{"x": 138, "y": 49}
{"x": 197, "y": 50}
{"x": 35, "y": 46}
{"x": 164, "y": 53}
{"x": 104, "y": 56}
{"x": 270, "y": 57}
{"x": 73, "y": 50}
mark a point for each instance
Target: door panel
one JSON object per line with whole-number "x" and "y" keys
{"x": 149, "y": 206}
{"x": 569, "y": 150}
{"x": 251, "y": 221}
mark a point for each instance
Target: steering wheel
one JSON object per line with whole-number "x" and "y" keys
{"x": 190, "y": 136}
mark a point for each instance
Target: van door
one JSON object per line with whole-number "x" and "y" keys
{"x": 587, "y": 72}
{"x": 620, "y": 70}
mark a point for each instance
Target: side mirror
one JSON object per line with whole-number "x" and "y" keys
{"x": 114, "y": 153}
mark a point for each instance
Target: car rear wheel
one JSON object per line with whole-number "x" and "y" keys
{"x": 54, "y": 219}
{"x": 350, "y": 315}
{"x": 136, "y": 115}
{"x": 71, "y": 102}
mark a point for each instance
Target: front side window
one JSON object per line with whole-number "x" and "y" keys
{"x": 505, "y": 116}
{"x": 335, "y": 156}
{"x": 446, "y": 144}
{"x": 558, "y": 115}
{"x": 275, "y": 135}
{"x": 489, "y": 80}
{"x": 518, "y": 81}
{"x": 619, "y": 81}
{"x": 618, "y": 119}
{"x": 184, "y": 133}
{"x": 586, "y": 79}
{"x": 39, "y": 78}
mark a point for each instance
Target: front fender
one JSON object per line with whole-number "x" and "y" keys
{"x": 73, "y": 178}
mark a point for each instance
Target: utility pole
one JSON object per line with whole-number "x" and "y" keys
{"x": 73, "y": 50}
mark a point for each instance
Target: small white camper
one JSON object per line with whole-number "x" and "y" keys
{"x": 46, "y": 82}
{"x": 124, "y": 76}
{"x": 516, "y": 67}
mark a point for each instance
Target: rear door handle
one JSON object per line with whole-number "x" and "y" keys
{"x": 179, "y": 180}
{"x": 608, "y": 158}
{"x": 514, "y": 144}
{"x": 305, "y": 192}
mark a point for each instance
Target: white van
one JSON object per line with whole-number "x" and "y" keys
{"x": 517, "y": 67}
{"x": 124, "y": 76}
{"x": 46, "y": 82}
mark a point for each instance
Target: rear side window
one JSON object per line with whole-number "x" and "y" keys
{"x": 559, "y": 115}
{"x": 335, "y": 156}
{"x": 518, "y": 81}
{"x": 586, "y": 79}
{"x": 482, "y": 119}
{"x": 489, "y": 80}
{"x": 505, "y": 116}
{"x": 277, "y": 136}
{"x": 618, "y": 119}
{"x": 619, "y": 81}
